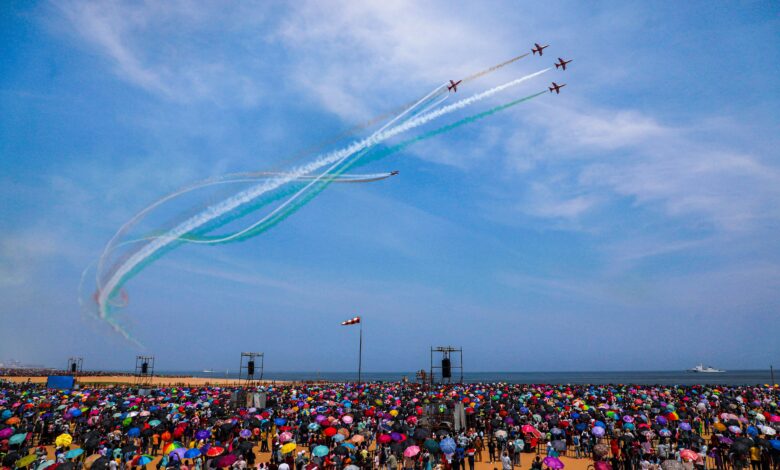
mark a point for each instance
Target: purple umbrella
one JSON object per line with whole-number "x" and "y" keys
{"x": 628, "y": 419}
{"x": 5, "y": 433}
{"x": 553, "y": 462}
{"x": 202, "y": 434}
{"x": 725, "y": 440}
{"x": 178, "y": 453}
{"x": 597, "y": 431}
{"x": 660, "y": 420}
{"x": 245, "y": 433}
{"x": 685, "y": 426}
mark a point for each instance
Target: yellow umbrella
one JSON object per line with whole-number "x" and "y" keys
{"x": 27, "y": 460}
{"x": 289, "y": 447}
{"x": 63, "y": 440}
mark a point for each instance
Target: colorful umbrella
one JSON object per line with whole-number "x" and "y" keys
{"x": 553, "y": 462}
{"x": 411, "y": 451}
{"x": 26, "y": 460}
{"x": 289, "y": 447}
{"x": 215, "y": 451}
{"x": 73, "y": 453}
{"x": 63, "y": 440}
{"x": 17, "y": 438}
{"x": 320, "y": 451}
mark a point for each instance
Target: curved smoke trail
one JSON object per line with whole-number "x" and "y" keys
{"x": 333, "y": 159}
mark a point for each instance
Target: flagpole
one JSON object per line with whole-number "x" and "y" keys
{"x": 360, "y": 353}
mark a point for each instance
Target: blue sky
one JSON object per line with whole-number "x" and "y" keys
{"x": 629, "y": 223}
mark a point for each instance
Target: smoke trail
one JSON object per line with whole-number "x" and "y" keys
{"x": 128, "y": 268}
{"x": 494, "y": 68}
{"x": 352, "y": 130}
{"x": 372, "y": 157}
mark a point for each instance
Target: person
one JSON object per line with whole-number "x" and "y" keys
{"x": 506, "y": 462}
{"x": 492, "y": 450}
{"x": 392, "y": 462}
{"x": 755, "y": 458}
{"x": 478, "y": 445}
{"x": 537, "y": 463}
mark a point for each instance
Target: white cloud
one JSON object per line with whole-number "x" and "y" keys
{"x": 147, "y": 46}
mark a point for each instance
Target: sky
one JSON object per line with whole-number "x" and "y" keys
{"x": 629, "y": 223}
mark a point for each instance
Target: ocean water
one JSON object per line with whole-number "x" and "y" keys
{"x": 736, "y": 377}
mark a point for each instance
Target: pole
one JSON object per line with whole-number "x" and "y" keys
{"x": 772, "y": 375}
{"x": 360, "y": 353}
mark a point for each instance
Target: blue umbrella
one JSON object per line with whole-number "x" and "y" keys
{"x": 144, "y": 459}
{"x": 280, "y": 421}
{"x": 448, "y": 445}
{"x": 338, "y": 437}
{"x": 17, "y": 438}
{"x": 75, "y": 412}
{"x": 320, "y": 451}
{"x": 73, "y": 453}
{"x": 348, "y": 445}
{"x": 134, "y": 432}
{"x": 192, "y": 454}
{"x": 775, "y": 443}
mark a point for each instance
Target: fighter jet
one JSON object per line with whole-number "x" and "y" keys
{"x": 453, "y": 86}
{"x": 539, "y": 48}
{"x": 561, "y": 63}
{"x": 394, "y": 172}
{"x": 556, "y": 88}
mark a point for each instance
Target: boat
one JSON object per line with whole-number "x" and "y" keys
{"x": 705, "y": 370}
{"x": 208, "y": 371}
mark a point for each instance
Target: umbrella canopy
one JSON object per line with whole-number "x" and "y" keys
{"x": 447, "y": 446}
{"x": 17, "y": 438}
{"x": 215, "y": 451}
{"x": 144, "y": 460}
{"x": 26, "y": 460}
{"x": 192, "y": 453}
{"x": 689, "y": 455}
{"x": 320, "y": 451}
{"x": 553, "y": 462}
{"x": 289, "y": 447}
{"x": 411, "y": 451}
{"x": 73, "y": 453}
{"x": 226, "y": 460}
{"x": 63, "y": 440}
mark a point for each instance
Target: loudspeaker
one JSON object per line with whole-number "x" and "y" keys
{"x": 145, "y": 368}
{"x": 446, "y": 368}
{"x": 73, "y": 368}
{"x": 250, "y": 368}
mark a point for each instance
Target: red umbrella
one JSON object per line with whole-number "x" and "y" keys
{"x": 330, "y": 431}
{"x": 384, "y": 438}
{"x": 226, "y": 460}
{"x": 215, "y": 451}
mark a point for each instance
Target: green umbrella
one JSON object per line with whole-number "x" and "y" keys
{"x": 154, "y": 422}
{"x": 45, "y": 464}
{"x": 26, "y": 460}
{"x": 432, "y": 445}
{"x": 17, "y": 438}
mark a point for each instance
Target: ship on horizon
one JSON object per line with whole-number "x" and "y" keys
{"x": 706, "y": 370}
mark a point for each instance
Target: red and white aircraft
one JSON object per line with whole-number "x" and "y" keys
{"x": 556, "y": 88}
{"x": 562, "y": 63}
{"x": 453, "y": 86}
{"x": 539, "y": 48}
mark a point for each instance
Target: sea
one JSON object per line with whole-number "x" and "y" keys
{"x": 732, "y": 377}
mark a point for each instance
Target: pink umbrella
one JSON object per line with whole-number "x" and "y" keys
{"x": 553, "y": 462}
{"x": 285, "y": 437}
{"x": 688, "y": 454}
{"x": 411, "y": 451}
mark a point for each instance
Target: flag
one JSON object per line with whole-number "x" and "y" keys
{"x": 351, "y": 321}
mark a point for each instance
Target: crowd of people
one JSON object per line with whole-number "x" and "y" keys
{"x": 389, "y": 426}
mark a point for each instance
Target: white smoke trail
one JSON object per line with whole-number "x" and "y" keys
{"x": 333, "y": 159}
